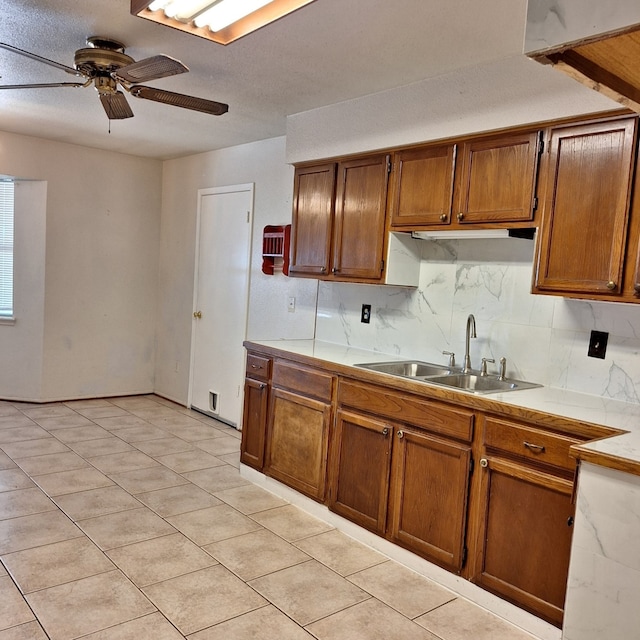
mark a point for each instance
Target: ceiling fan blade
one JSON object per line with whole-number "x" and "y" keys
{"x": 152, "y": 68}
{"x": 180, "y": 100}
{"x": 116, "y": 106}
{"x": 44, "y": 85}
{"x": 33, "y": 56}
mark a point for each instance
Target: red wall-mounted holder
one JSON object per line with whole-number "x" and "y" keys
{"x": 275, "y": 248}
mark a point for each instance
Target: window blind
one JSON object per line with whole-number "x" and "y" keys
{"x": 6, "y": 248}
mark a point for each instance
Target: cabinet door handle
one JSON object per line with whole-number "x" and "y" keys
{"x": 534, "y": 448}
{"x": 334, "y": 270}
{"x": 570, "y": 521}
{"x": 261, "y": 386}
{"x": 460, "y": 216}
{"x": 484, "y": 463}
{"x": 611, "y": 285}
{"x": 443, "y": 217}
{"x": 385, "y": 431}
{"x": 400, "y": 434}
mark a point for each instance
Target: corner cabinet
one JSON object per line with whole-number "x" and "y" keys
{"x": 485, "y": 182}
{"x": 339, "y": 214}
{"x": 586, "y": 194}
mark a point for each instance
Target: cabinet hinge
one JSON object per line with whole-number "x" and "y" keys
{"x": 464, "y": 557}
{"x": 389, "y": 164}
{"x": 540, "y": 143}
{"x": 535, "y": 203}
{"x": 381, "y": 266}
{"x": 472, "y": 466}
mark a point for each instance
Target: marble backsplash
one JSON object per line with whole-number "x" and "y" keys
{"x": 544, "y": 338}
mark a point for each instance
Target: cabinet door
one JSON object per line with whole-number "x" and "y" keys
{"x": 526, "y": 537}
{"x": 423, "y": 186}
{"x": 312, "y": 225}
{"x": 361, "y": 205}
{"x": 254, "y": 423}
{"x": 297, "y": 442}
{"x": 361, "y": 460}
{"x": 430, "y": 486}
{"x": 586, "y": 205}
{"x": 496, "y": 179}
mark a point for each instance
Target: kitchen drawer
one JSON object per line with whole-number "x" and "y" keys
{"x": 308, "y": 382}
{"x": 447, "y": 420}
{"x": 258, "y": 367}
{"x": 529, "y": 442}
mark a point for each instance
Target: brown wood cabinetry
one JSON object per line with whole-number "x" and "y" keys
{"x": 527, "y": 512}
{"x": 361, "y": 463}
{"x": 254, "y": 417}
{"x": 312, "y": 226}
{"x": 339, "y": 215}
{"x": 485, "y": 181}
{"x": 586, "y": 192}
{"x": 397, "y": 477}
{"x": 429, "y": 493}
{"x": 298, "y": 429}
{"x": 401, "y": 464}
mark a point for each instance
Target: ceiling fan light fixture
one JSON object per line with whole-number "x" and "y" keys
{"x": 222, "y": 21}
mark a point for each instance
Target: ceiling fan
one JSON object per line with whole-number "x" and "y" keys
{"x": 104, "y": 64}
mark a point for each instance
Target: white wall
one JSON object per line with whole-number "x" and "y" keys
{"x": 486, "y": 97}
{"x": 91, "y": 261}
{"x": 262, "y": 163}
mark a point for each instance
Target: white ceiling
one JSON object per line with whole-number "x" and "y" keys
{"x": 326, "y": 52}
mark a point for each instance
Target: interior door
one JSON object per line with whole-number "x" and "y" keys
{"x": 221, "y": 300}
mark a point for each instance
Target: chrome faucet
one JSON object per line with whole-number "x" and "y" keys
{"x": 471, "y": 333}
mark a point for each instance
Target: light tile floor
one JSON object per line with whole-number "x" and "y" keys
{"x": 127, "y": 518}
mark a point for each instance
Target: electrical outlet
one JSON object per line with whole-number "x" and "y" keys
{"x": 291, "y": 305}
{"x": 365, "y": 314}
{"x": 598, "y": 344}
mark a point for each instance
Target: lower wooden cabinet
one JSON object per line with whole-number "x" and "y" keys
{"x": 400, "y": 479}
{"x": 254, "y": 416}
{"x": 300, "y": 415}
{"x": 361, "y": 463}
{"x": 527, "y": 536}
{"x": 254, "y": 423}
{"x": 429, "y": 491}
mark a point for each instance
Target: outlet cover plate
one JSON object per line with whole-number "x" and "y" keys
{"x": 598, "y": 344}
{"x": 365, "y": 314}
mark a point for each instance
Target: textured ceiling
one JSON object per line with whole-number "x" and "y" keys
{"x": 326, "y": 52}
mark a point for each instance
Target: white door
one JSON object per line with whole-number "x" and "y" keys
{"x": 220, "y": 301}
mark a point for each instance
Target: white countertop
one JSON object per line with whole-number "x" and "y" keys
{"x": 561, "y": 402}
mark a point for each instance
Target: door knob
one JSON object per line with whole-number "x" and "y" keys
{"x": 197, "y": 314}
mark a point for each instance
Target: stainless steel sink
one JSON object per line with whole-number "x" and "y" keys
{"x": 481, "y": 384}
{"x": 407, "y": 368}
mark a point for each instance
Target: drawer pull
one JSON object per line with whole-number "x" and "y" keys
{"x": 400, "y": 434}
{"x": 256, "y": 366}
{"x": 534, "y": 448}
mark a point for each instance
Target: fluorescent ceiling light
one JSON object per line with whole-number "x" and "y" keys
{"x": 222, "y": 21}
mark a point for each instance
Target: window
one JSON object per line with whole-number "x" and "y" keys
{"x": 6, "y": 249}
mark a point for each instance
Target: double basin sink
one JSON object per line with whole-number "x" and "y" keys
{"x": 471, "y": 382}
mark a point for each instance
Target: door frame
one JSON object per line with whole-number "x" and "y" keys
{"x": 248, "y": 187}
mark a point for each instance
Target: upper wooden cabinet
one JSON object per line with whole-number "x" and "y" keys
{"x": 313, "y": 206}
{"x": 485, "y": 181}
{"x": 586, "y": 192}
{"x": 339, "y": 214}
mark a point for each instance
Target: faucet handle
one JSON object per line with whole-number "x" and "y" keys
{"x": 452, "y": 358}
{"x": 483, "y": 367}
{"x": 503, "y": 369}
